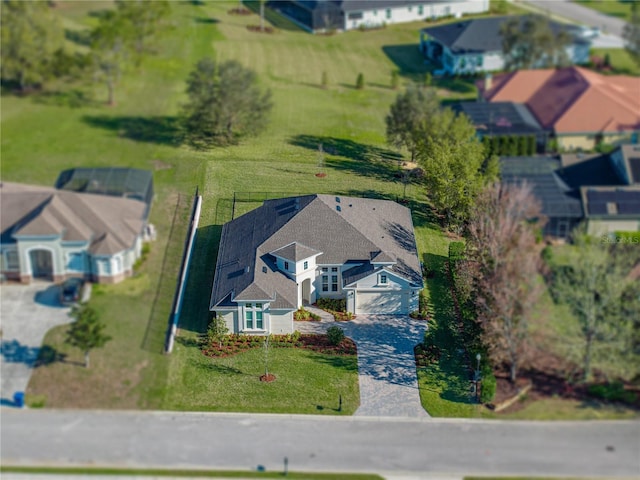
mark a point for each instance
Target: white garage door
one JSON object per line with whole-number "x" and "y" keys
{"x": 382, "y": 302}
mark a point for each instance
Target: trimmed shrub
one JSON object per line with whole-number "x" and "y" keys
{"x": 335, "y": 335}
{"x": 360, "y": 82}
{"x": 332, "y": 304}
{"x": 456, "y": 251}
{"x": 488, "y": 385}
{"x": 612, "y": 392}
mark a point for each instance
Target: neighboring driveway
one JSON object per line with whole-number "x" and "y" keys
{"x": 27, "y": 313}
{"x": 386, "y": 364}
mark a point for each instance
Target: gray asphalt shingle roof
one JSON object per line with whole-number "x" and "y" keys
{"x": 342, "y": 228}
{"x": 558, "y": 199}
{"x": 480, "y": 35}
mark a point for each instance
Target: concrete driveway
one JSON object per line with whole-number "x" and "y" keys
{"x": 386, "y": 364}
{"x": 27, "y": 312}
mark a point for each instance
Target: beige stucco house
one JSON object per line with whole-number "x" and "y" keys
{"x": 53, "y": 234}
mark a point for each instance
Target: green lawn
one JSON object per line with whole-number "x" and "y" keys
{"x": 621, "y": 62}
{"x": 130, "y": 472}
{"x": 615, "y": 8}
{"x": 69, "y": 126}
{"x": 306, "y": 382}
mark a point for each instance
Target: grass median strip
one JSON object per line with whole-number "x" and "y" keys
{"x": 186, "y": 473}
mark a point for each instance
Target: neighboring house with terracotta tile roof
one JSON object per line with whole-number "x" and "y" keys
{"x": 292, "y": 251}
{"x": 55, "y": 234}
{"x": 580, "y": 107}
{"x": 474, "y": 46}
{"x": 342, "y": 15}
{"x": 602, "y": 191}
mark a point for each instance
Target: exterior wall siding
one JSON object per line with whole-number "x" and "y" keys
{"x": 385, "y": 16}
{"x": 604, "y": 227}
{"x": 71, "y": 260}
{"x": 281, "y": 322}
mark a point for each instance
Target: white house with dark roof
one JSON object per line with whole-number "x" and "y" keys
{"x": 342, "y": 15}
{"x": 473, "y": 46}
{"x": 292, "y": 251}
{"x": 53, "y": 234}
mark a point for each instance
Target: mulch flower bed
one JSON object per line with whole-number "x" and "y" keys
{"x": 256, "y": 28}
{"x": 235, "y": 344}
{"x": 239, "y": 11}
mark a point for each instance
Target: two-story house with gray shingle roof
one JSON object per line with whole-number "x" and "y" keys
{"x": 292, "y": 251}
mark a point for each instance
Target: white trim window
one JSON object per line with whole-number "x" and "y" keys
{"x": 383, "y": 279}
{"x": 253, "y": 316}
{"x": 12, "y": 261}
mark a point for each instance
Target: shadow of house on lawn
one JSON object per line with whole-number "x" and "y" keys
{"x": 158, "y": 129}
{"x": 195, "y": 313}
{"x": 408, "y": 59}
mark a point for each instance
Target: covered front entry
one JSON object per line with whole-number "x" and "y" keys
{"x": 41, "y": 264}
{"x": 382, "y": 303}
{"x": 306, "y": 292}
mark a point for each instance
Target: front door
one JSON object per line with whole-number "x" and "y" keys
{"x": 41, "y": 264}
{"x": 306, "y": 292}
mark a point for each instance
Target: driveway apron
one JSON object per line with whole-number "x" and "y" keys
{"x": 27, "y": 313}
{"x": 386, "y": 364}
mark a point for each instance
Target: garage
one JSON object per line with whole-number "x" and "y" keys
{"x": 384, "y": 303}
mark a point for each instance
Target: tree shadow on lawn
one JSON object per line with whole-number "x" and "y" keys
{"x": 162, "y": 130}
{"x": 345, "y": 148}
{"x": 348, "y": 363}
{"x": 207, "y": 20}
{"x": 408, "y": 59}
{"x": 210, "y": 367}
{"x": 451, "y": 373}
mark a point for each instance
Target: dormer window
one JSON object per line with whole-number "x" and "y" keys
{"x": 286, "y": 266}
{"x": 383, "y": 279}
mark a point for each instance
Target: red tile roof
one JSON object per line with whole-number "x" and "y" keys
{"x": 573, "y": 99}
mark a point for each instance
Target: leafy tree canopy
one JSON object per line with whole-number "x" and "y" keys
{"x": 408, "y": 116}
{"x": 455, "y": 166}
{"x": 225, "y": 104}
{"x": 530, "y": 42}
{"x": 31, "y": 34}
{"x": 87, "y": 332}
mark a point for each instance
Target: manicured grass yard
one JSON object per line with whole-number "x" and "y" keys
{"x": 615, "y": 8}
{"x": 306, "y": 382}
{"x": 70, "y": 126}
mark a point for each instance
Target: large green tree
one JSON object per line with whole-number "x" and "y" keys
{"x": 146, "y": 19}
{"x": 408, "y": 117}
{"x": 631, "y": 33}
{"x": 455, "y": 165}
{"x": 225, "y": 104}
{"x": 31, "y": 34}
{"x": 110, "y": 41}
{"x": 593, "y": 286}
{"x": 530, "y": 42}
{"x": 87, "y": 332}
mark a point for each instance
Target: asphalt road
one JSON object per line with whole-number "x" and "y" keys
{"x": 348, "y": 444}
{"x": 579, "y": 14}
